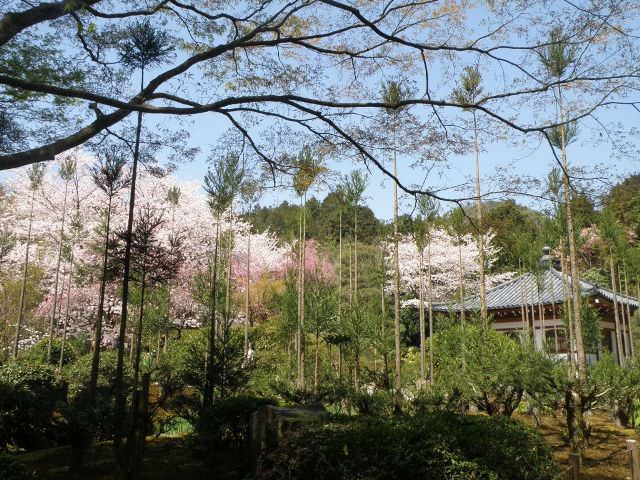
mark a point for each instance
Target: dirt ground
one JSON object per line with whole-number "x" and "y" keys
{"x": 605, "y": 458}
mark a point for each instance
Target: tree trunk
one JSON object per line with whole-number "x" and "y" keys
{"x": 629, "y": 315}
{"x": 624, "y": 318}
{"x": 568, "y": 311}
{"x": 120, "y": 394}
{"x": 355, "y": 254}
{"x": 247, "y": 306}
{"x": 227, "y": 309}
{"x": 23, "y": 287}
{"x": 97, "y": 329}
{"x": 396, "y": 279}
{"x": 461, "y": 271}
{"x": 430, "y": 301}
{"x": 52, "y": 321}
{"x": 525, "y": 332}
{"x": 136, "y": 361}
{"x": 340, "y": 266}
{"x": 317, "y": 362}
{"x": 421, "y": 315}
{"x": 66, "y": 318}
{"x": 481, "y": 258}
{"x": 207, "y": 399}
{"x": 301, "y": 328}
{"x": 619, "y": 344}
{"x": 573, "y": 256}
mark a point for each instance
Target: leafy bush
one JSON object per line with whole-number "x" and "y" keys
{"x": 435, "y": 446}
{"x": 12, "y": 470}
{"x": 98, "y": 419}
{"x": 29, "y": 395}
{"x": 73, "y": 348}
{"x": 226, "y": 423}
{"x": 489, "y": 370}
{"x": 377, "y": 403}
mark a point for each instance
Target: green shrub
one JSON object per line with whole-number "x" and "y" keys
{"x": 226, "y": 423}
{"x": 77, "y": 375}
{"x": 435, "y": 446}
{"x": 376, "y": 403}
{"x": 73, "y": 348}
{"x": 12, "y": 470}
{"x": 29, "y": 395}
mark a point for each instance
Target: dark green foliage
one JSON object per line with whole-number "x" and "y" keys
{"x": 323, "y": 220}
{"x": 517, "y": 230}
{"x": 29, "y": 394}
{"x": 12, "y": 470}
{"x": 624, "y": 202}
{"x": 73, "y": 348}
{"x": 99, "y": 417}
{"x": 489, "y": 370}
{"x": 435, "y": 446}
{"x": 378, "y": 403}
{"x": 144, "y": 45}
{"x": 226, "y": 423}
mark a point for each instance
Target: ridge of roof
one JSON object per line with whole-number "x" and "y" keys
{"x": 550, "y": 275}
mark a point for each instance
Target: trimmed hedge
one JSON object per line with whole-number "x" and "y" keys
{"x": 434, "y": 446}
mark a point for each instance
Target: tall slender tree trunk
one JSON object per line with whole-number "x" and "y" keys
{"x": 23, "y": 286}
{"x": 52, "y": 322}
{"x": 481, "y": 256}
{"x": 207, "y": 399}
{"x": 383, "y": 317}
{"x": 227, "y": 307}
{"x": 139, "y": 330}
{"x": 340, "y": 265}
{"x": 629, "y": 315}
{"x": 120, "y": 394}
{"x": 569, "y": 313}
{"x": 317, "y": 361}
{"x": 247, "y": 293}
{"x": 301, "y": 332}
{"x": 573, "y": 258}
{"x": 66, "y": 318}
{"x": 423, "y": 375}
{"x": 430, "y": 302}
{"x": 525, "y": 331}
{"x": 355, "y": 254}
{"x": 619, "y": 344}
{"x": 97, "y": 328}
{"x": 625, "y": 319}
{"x": 396, "y": 277}
{"x": 461, "y": 279}
{"x": 350, "y": 271}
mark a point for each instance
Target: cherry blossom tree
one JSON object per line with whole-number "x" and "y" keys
{"x": 446, "y": 252}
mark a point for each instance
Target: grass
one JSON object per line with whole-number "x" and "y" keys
{"x": 604, "y": 458}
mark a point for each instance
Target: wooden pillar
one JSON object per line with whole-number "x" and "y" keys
{"x": 634, "y": 461}
{"x": 574, "y": 462}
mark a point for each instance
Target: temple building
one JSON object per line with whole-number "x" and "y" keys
{"x": 531, "y": 306}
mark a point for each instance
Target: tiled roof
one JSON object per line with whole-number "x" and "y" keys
{"x": 529, "y": 289}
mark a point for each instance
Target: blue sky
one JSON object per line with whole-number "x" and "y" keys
{"x": 533, "y": 159}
